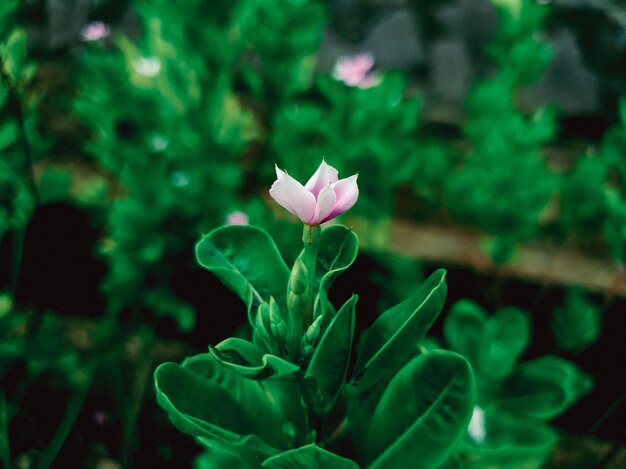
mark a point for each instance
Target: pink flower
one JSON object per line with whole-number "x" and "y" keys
{"x": 94, "y": 31}
{"x": 237, "y": 218}
{"x": 322, "y": 198}
{"x": 356, "y": 70}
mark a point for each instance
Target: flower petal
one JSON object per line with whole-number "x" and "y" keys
{"x": 293, "y": 196}
{"x": 324, "y": 176}
{"x": 346, "y": 193}
{"x": 325, "y": 203}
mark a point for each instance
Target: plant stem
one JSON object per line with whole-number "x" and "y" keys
{"x": 5, "y": 448}
{"x": 311, "y": 240}
{"x": 71, "y": 414}
{"x": 301, "y": 290}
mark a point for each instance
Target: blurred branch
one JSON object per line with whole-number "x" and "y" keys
{"x": 542, "y": 263}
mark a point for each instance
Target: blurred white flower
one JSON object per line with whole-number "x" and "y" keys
{"x": 147, "y": 66}
{"x": 476, "y": 427}
{"x": 159, "y": 142}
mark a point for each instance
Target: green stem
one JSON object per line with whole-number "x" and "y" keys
{"x": 71, "y": 414}
{"x": 300, "y": 292}
{"x": 5, "y": 448}
{"x": 311, "y": 240}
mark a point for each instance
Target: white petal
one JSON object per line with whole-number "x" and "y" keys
{"x": 324, "y": 176}
{"x": 293, "y": 196}
{"x": 325, "y": 203}
{"x": 347, "y": 193}
{"x": 279, "y": 172}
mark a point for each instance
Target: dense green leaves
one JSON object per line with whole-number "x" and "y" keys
{"x": 391, "y": 341}
{"x": 311, "y": 457}
{"x": 423, "y": 412}
{"x": 329, "y": 365}
{"x": 247, "y": 261}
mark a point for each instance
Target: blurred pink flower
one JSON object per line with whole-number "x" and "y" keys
{"x": 237, "y": 218}
{"x": 322, "y": 198}
{"x": 356, "y": 70}
{"x": 95, "y": 31}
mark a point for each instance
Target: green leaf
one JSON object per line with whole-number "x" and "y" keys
{"x": 247, "y": 261}
{"x": 14, "y": 53}
{"x": 248, "y": 360}
{"x": 338, "y": 249}
{"x": 206, "y": 400}
{"x": 223, "y": 457}
{"x": 391, "y": 340}
{"x": 309, "y": 456}
{"x": 505, "y": 337}
{"x": 463, "y": 329}
{"x": 422, "y": 414}
{"x": 491, "y": 344}
{"x": 8, "y": 134}
{"x": 543, "y": 388}
{"x": 329, "y": 365}
{"x": 577, "y": 323}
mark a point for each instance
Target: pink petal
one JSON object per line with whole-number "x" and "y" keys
{"x": 293, "y": 196}
{"x": 347, "y": 193}
{"x": 363, "y": 62}
{"x": 324, "y": 176}
{"x": 325, "y": 203}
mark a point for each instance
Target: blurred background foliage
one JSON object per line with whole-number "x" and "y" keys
{"x": 129, "y": 128}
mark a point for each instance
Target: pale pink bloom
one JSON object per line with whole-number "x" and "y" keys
{"x": 94, "y": 31}
{"x": 356, "y": 70}
{"x": 237, "y": 218}
{"x": 322, "y": 198}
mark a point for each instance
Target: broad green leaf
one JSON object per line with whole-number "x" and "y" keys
{"x": 217, "y": 457}
{"x": 338, "y": 250}
{"x": 422, "y": 413}
{"x": 505, "y": 337}
{"x": 206, "y": 400}
{"x": 391, "y": 340}
{"x": 543, "y": 388}
{"x": 250, "y": 361}
{"x": 310, "y": 457}
{"x": 247, "y": 261}
{"x": 491, "y": 344}
{"x": 576, "y": 323}
{"x": 329, "y": 365}
{"x": 463, "y": 329}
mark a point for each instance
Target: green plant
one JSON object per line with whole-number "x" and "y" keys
{"x": 514, "y": 400}
{"x": 282, "y": 400}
